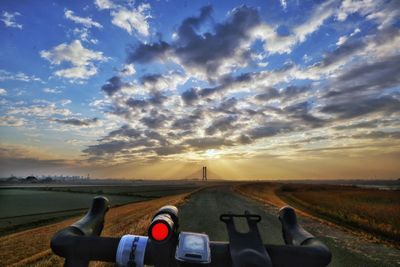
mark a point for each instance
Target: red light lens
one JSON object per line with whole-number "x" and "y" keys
{"x": 159, "y": 231}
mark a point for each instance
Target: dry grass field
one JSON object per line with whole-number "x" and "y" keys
{"x": 373, "y": 211}
{"x": 31, "y": 247}
{"x": 264, "y": 192}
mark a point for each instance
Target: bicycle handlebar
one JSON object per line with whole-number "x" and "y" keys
{"x": 80, "y": 243}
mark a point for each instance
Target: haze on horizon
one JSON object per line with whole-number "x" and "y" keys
{"x": 156, "y": 89}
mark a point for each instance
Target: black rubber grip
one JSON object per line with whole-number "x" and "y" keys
{"x": 303, "y": 241}
{"x": 80, "y": 243}
{"x": 293, "y": 233}
{"x": 92, "y": 223}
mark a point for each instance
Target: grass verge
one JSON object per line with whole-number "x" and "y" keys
{"x": 372, "y": 212}
{"x": 31, "y": 247}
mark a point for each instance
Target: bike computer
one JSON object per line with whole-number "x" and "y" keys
{"x": 193, "y": 248}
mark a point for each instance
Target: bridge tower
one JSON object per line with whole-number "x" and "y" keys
{"x": 204, "y": 178}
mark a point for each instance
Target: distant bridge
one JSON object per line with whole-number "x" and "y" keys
{"x": 203, "y": 174}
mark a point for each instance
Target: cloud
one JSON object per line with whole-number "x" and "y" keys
{"x": 169, "y": 150}
{"x": 133, "y": 20}
{"x": 186, "y": 32}
{"x": 364, "y": 79}
{"x": 45, "y": 110}
{"x": 51, "y": 90}
{"x": 387, "y": 16}
{"x": 275, "y": 43}
{"x": 154, "y": 121}
{"x": 385, "y": 13}
{"x": 78, "y": 56}
{"x": 377, "y": 135}
{"x": 79, "y": 72}
{"x": 302, "y": 112}
{"x": 269, "y": 93}
{"x": 113, "y": 85}
{"x": 219, "y": 52}
{"x": 74, "y": 53}
{"x": 77, "y": 122}
{"x": 368, "y": 124}
{"x": 104, "y": 4}
{"x": 65, "y": 102}
{"x": 86, "y": 22}
{"x": 9, "y": 19}
{"x": 19, "y": 76}
{"x": 162, "y": 82}
{"x": 386, "y": 105}
{"x": 11, "y": 121}
{"x": 344, "y": 38}
{"x": 283, "y": 4}
{"x": 285, "y": 94}
{"x": 155, "y": 99}
{"x": 83, "y": 34}
{"x": 270, "y": 129}
{"x": 137, "y": 103}
{"x": 214, "y": 95}
{"x": 3, "y": 91}
{"x": 146, "y": 53}
{"x": 190, "y": 96}
{"x": 29, "y": 159}
{"x": 208, "y": 143}
{"x": 117, "y": 146}
{"x": 212, "y": 53}
{"x": 228, "y": 106}
{"x": 221, "y": 124}
{"x": 124, "y": 131}
{"x": 225, "y": 48}
{"x": 128, "y": 70}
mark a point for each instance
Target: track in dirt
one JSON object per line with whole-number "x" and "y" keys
{"x": 201, "y": 214}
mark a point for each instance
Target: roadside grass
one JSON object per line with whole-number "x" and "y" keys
{"x": 31, "y": 247}
{"x": 26, "y": 208}
{"x": 374, "y": 211}
{"x": 264, "y": 192}
{"x": 371, "y": 211}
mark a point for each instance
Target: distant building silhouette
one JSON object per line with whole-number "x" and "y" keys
{"x": 31, "y": 179}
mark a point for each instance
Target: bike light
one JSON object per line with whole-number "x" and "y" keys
{"x": 161, "y": 228}
{"x": 159, "y": 231}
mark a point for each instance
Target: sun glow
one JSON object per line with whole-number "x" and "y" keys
{"x": 212, "y": 153}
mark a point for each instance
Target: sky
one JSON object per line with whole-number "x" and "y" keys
{"x": 268, "y": 89}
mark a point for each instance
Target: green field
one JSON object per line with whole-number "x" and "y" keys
{"x": 23, "y": 208}
{"x": 142, "y": 191}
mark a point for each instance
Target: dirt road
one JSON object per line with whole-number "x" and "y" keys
{"x": 201, "y": 214}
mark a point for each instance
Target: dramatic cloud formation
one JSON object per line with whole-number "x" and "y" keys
{"x": 292, "y": 90}
{"x": 235, "y": 119}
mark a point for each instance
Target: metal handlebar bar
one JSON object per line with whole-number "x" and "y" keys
{"x": 80, "y": 243}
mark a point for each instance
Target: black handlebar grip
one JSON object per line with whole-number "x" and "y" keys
{"x": 293, "y": 233}
{"x": 77, "y": 242}
{"x": 314, "y": 250}
{"x": 92, "y": 223}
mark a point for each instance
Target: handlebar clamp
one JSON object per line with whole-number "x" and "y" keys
{"x": 246, "y": 249}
